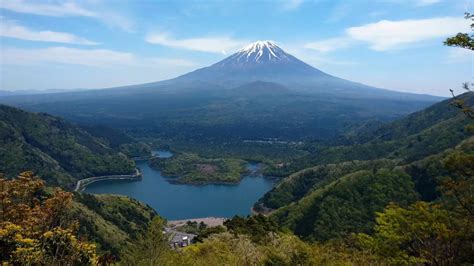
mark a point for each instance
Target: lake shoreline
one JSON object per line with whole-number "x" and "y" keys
{"x": 184, "y": 202}
{"x": 83, "y": 183}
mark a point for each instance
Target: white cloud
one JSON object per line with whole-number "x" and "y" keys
{"x": 385, "y": 34}
{"x": 66, "y": 9}
{"x": 12, "y": 30}
{"x": 47, "y": 9}
{"x": 64, "y": 55}
{"x": 329, "y": 45}
{"x": 84, "y": 57}
{"x": 205, "y": 44}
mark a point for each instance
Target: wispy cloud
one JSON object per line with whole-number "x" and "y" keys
{"x": 339, "y": 12}
{"x": 117, "y": 21}
{"x": 316, "y": 59}
{"x": 291, "y": 4}
{"x": 11, "y": 29}
{"x": 385, "y": 34}
{"x": 67, "y": 9}
{"x": 84, "y": 57}
{"x": 64, "y": 9}
{"x": 419, "y": 3}
{"x": 329, "y": 45}
{"x": 204, "y": 44}
{"x": 427, "y": 2}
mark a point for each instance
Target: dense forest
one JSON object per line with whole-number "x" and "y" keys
{"x": 186, "y": 168}
{"x": 58, "y": 151}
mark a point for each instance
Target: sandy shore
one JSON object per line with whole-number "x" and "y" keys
{"x": 209, "y": 221}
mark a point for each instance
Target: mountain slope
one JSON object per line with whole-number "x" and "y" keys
{"x": 266, "y": 61}
{"x": 259, "y": 92}
{"x": 54, "y": 149}
{"x": 259, "y": 61}
{"x": 340, "y": 194}
{"x": 111, "y": 221}
{"x": 337, "y": 206}
{"x": 411, "y": 138}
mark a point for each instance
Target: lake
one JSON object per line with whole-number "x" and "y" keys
{"x": 175, "y": 202}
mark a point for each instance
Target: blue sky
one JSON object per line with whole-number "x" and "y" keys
{"x": 393, "y": 44}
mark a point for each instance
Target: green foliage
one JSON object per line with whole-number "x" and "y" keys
{"x": 189, "y": 168}
{"x": 421, "y": 233}
{"x": 111, "y": 221}
{"x": 256, "y": 227}
{"x": 56, "y": 150}
{"x": 151, "y": 248}
{"x": 346, "y": 205}
{"x": 297, "y": 185}
{"x": 463, "y": 40}
{"x": 203, "y": 234}
{"x": 268, "y": 152}
{"x": 409, "y": 139}
{"x": 136, "y": 149}
{"x": 226, "y": 248}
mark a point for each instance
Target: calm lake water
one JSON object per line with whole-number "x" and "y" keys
{"x": 186, "y": 201}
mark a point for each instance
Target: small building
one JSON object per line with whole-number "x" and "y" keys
{"x": 180, "y": 240}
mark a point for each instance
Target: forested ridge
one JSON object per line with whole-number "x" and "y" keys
{"x": 58, "y": 151}
{"x": 408, "y": 139}
{"x": 336, "y": 200}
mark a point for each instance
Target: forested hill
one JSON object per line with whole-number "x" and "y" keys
{"x": 440, "y": 114}
{"x": 408, "y": 139}
{"x": 404, "y": 162}
{"x": 58, "y": 151}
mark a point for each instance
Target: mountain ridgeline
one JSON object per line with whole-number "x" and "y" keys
{"x": 257, "y": 93}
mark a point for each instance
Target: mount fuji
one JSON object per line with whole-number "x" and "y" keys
{"x": 259, "y": 61}
{"x": 260, "y": 91}
{"x": 265, "y": 61}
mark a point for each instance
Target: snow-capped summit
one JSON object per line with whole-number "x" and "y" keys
{"x": 258, "y": 52}
{"x": 258, "y": 61}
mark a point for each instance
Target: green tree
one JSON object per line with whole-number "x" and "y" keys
{"x": 421, "y": 233}
{"x": 463, "y": 40}
{"x": 466, "y": 41}
{"x": 151, "y": 248}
